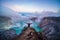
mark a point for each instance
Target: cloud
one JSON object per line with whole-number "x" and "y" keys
{"x": 18, "y": 8}
{"x": 22, "y": 8}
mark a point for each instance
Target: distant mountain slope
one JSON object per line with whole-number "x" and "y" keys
{"x": 5, "y": 22}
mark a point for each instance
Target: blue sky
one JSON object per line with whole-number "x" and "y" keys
{"x": 32, "y": 5}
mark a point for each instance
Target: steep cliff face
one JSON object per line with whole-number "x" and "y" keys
{"x": 51, "y": 27}
{"x": 29, "y": 34}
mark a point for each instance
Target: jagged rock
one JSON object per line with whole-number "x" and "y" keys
{"x": 7, "y": 34}
{"x": 51, "y": 27}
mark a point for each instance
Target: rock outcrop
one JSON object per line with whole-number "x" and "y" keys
{"x": 30, "y": 34}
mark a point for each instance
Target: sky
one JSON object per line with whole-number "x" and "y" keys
{"x": 32, "y": 5}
